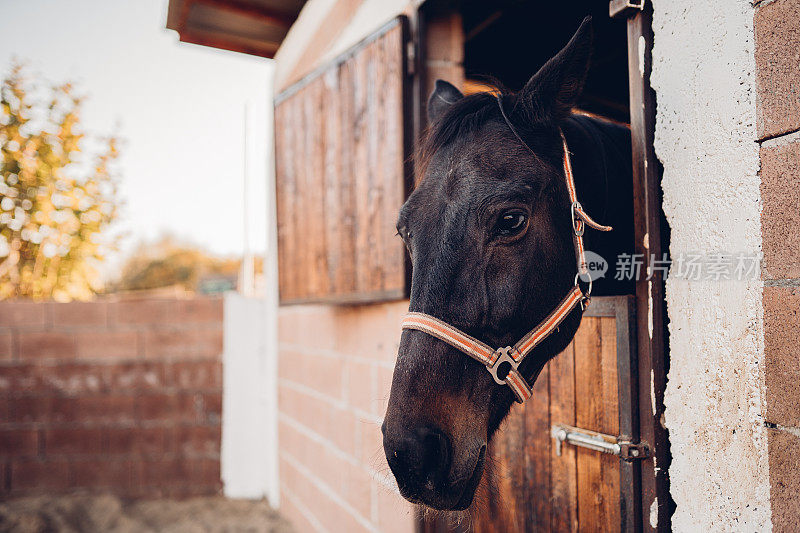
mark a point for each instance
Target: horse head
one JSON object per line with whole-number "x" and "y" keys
{"x": 490, "y": 236}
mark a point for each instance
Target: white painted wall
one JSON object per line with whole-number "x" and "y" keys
{"x": 370, "y": 15}
{"x": 703, "y": 74}
{"x": 249, "y": 401}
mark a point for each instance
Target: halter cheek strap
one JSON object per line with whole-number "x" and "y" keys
{"x": 503, "y": 363}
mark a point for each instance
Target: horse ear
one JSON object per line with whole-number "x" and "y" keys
{"x": 553, "y": 91}
{"x": 443, "y": 96}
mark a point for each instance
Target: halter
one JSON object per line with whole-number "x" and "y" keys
{"x": 492, "y": 358}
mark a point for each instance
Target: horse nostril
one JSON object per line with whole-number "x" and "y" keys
{"x": 418, "y": 458}
{"x": 435, "y": 452}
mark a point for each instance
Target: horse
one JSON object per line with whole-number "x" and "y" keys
{"x": 490, "y": 233}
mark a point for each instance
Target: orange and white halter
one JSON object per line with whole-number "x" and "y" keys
{"x": 495, "y": 359}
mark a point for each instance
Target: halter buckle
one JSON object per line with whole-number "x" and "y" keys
{"x": 504, "y": 357}
{"x": 587, "y": 294}
{"x": 578, "y": 224}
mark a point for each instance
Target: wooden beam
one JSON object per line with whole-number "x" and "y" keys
{"x": 267, "y": 49}
{"x": 183, "y": 15}
{"x": 651, "y": 241}
{"x": 259, "y": 13}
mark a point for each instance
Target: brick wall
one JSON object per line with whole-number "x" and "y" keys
{"x": 777, "y": 29}
{"x": 335, "y": 372}
{"x": 122, "y": 396}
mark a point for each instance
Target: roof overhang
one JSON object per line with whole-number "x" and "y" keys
{"x": 255, "y": 27}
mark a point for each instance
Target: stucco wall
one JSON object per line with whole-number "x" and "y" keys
{"x": 325, "y": 29}
{"x": 703, "y": 74}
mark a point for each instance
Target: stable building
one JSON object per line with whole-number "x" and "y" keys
{"x": 698, "y": 366}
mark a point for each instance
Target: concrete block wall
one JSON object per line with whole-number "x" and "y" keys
{"x": 335, "y": 371}
{"x": 777, "y": 39}
{"x": 123, "y": 396}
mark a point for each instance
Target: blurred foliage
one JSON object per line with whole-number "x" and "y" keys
{"x": 56, "y": 200}
{"x": 171, "y": 263}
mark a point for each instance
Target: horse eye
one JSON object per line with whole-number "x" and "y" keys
{"x": 511, "y": 223}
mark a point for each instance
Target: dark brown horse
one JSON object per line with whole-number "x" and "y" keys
{"x": 489, "y": 232}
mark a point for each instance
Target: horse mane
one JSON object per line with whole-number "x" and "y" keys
{"x": 464, "y": 116}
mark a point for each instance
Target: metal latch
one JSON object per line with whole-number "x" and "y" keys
{"x": 624, "y": 449}
{"x": 617, "y": 8}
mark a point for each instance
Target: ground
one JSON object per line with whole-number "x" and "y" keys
{"x": 85, "y": 513}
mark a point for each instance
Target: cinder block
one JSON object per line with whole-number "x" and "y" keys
{"x": 146, "y": 311}
{"x": 198, "y": 311}
{"x": 120, "y": 476}
{"x": 22, "y": 315}
{"x": 39, "y": 476}
{"x": 140, "y": 376}
{"x": 784, "y": 476}
{"x": 139, "y": 441}
{"x": 782, "y": 354}
{"x": 361, "y": 378}
{"x": 190, "y": 342}
{"x": 199, "y": 408}
{"x": 79, "y": 314}
{"x": 333, "y": 423}
{"x": 30, "y": 409}
{"x": 47, "y": 345}
{"x": 196, "y": 375}
{"x": 167, "y": 311}
{"x": 19, "y": 443}
{"x": 370, "y": 332}
{"x": 73, "y": 441}
{"x": 323, "y": 373}
{"x": 780, "y": 217}
{"x": 325, "y": 509}
{"x": 299, "y": 518}
{"x": 116, "y": 409}
{"x": 7, "y": 352}
{"x": 96, "y": 344}
{"x": 199, "y": 441}
{"x": 157, "y": 407}
{"x": 777, "y": 32}
{"x": 106, "y": 344}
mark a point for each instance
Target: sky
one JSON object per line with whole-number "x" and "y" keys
{"x": 178, "y": 108}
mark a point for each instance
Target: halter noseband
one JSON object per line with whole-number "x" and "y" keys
{"x": 493, "y": 359}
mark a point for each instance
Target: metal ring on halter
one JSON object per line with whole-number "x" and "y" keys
{"x": 587, "y": 292}
{"x": 578, "y": 225}
{"x": 505, "y": 357}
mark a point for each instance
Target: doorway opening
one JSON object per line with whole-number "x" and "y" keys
{"x": 468, "y": 43}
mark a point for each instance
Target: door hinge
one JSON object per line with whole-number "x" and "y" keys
{"x": 619, "y": 8}
{"x": 622, "y": 448}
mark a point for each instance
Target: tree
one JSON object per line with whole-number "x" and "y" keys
{"x": 56, "y": 200}
{"x": 171, "y": 263}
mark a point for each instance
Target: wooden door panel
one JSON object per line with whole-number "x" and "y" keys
{"x": 564, "y": 497}
{"x": 597, "y": 409}
{"x": 341, "y": 152}
{"x": 528, "y": 486}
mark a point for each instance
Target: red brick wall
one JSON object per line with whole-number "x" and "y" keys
{"x": 334, "y": 376}
{"x": 122, "y": 396}
{"x": 777, "y": 35}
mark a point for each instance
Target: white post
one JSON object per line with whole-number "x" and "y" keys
{"x": 250, "y": 370}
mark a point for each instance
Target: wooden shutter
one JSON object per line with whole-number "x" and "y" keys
{"x": 341, "y": 154}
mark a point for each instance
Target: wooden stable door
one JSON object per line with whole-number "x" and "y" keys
{"x": 535, "y": 482}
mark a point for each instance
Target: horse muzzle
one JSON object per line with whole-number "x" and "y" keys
{"x": 427, "y": 470}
